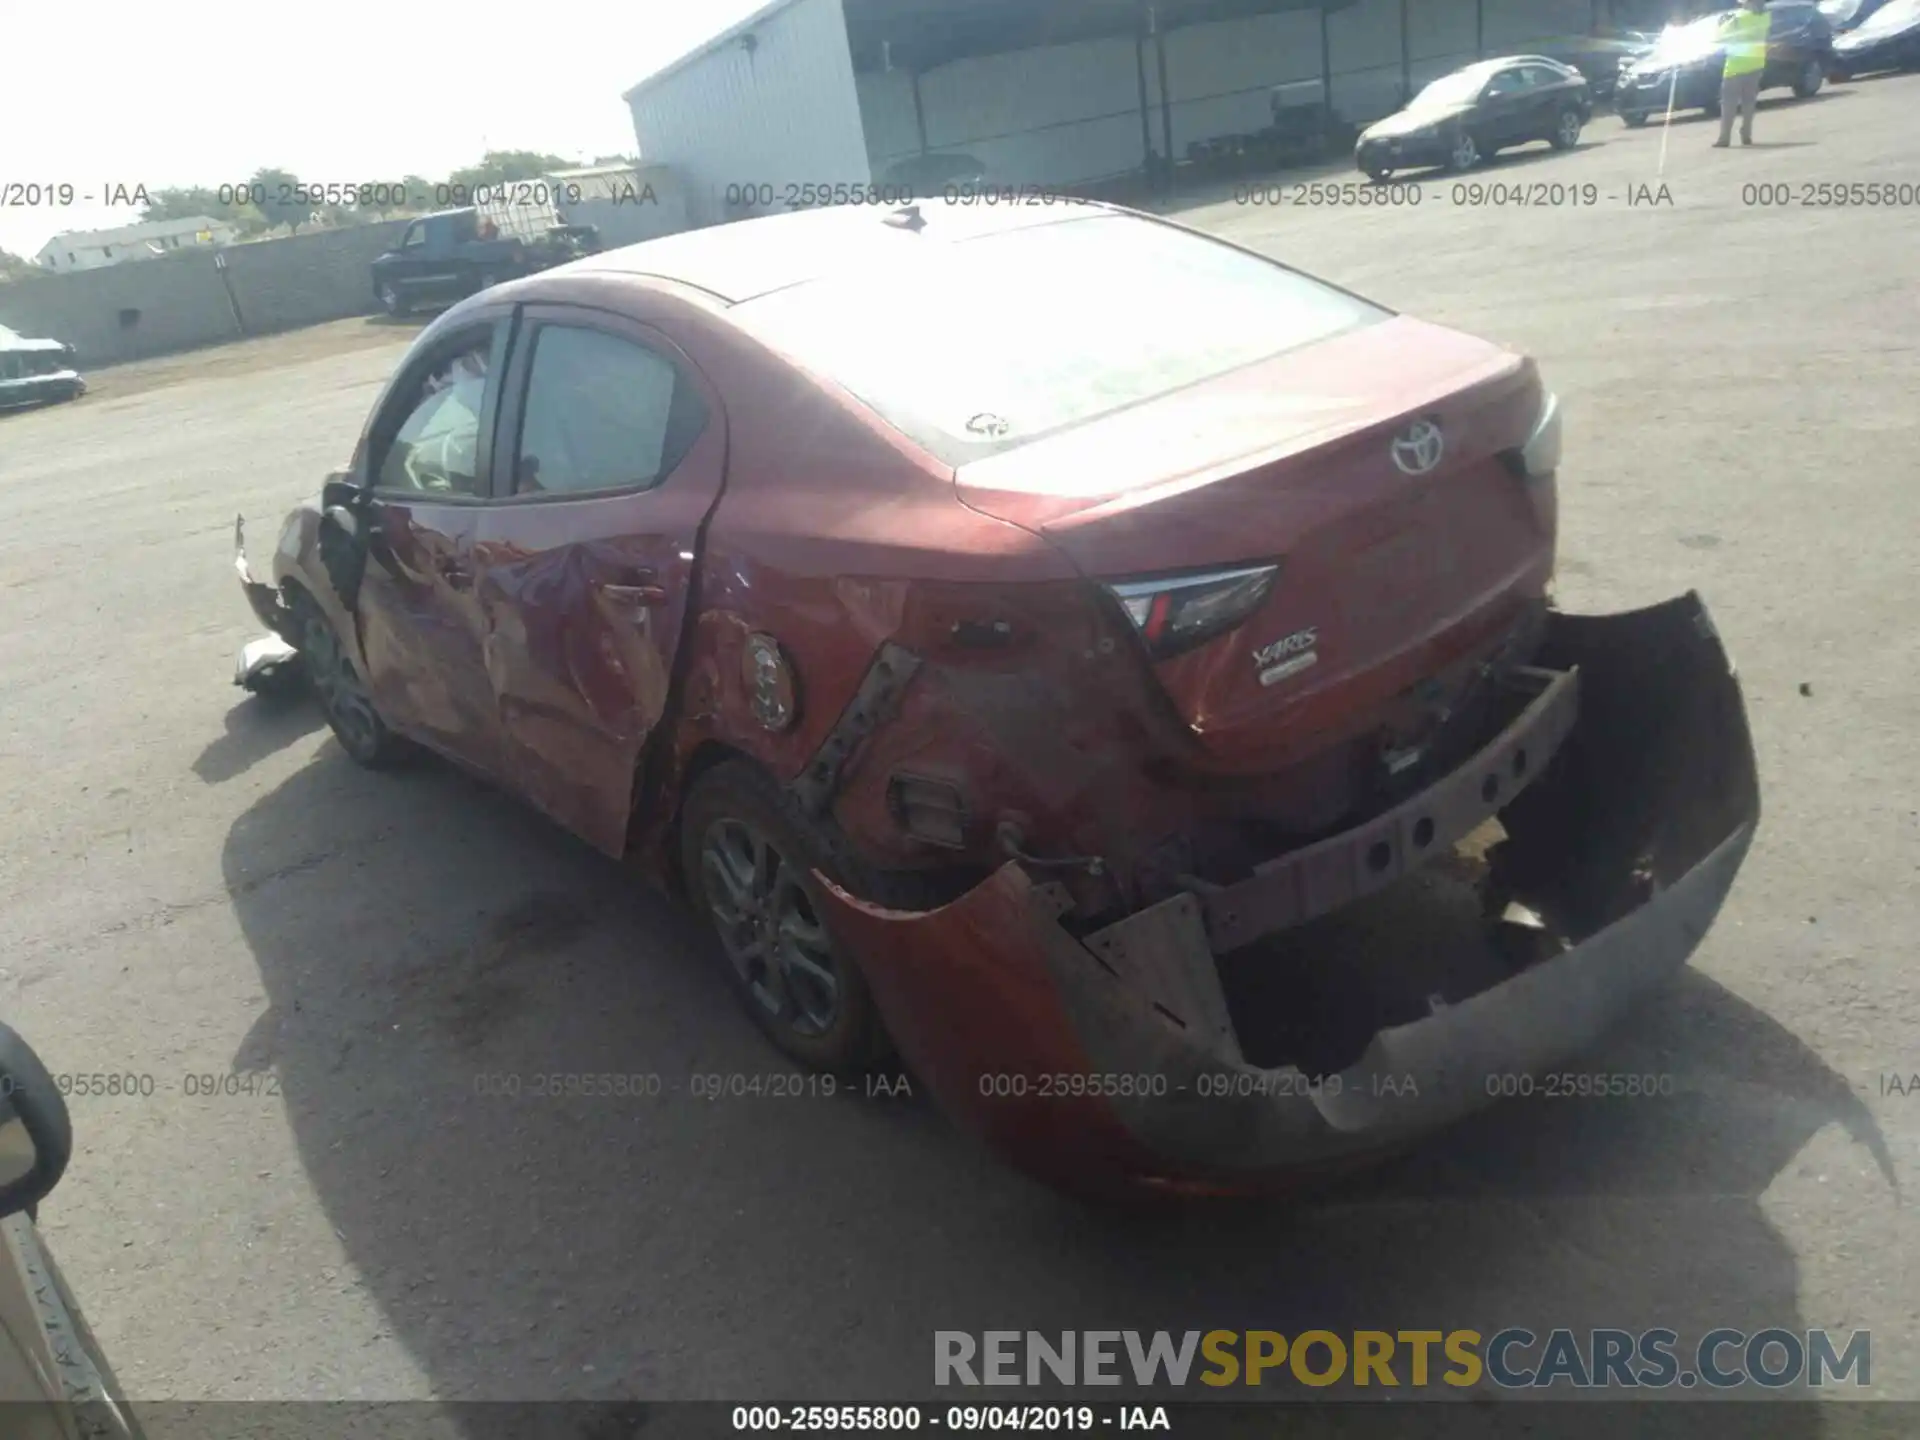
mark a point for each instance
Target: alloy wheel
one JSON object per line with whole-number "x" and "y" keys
{"x": 767, "y": 925}
{"x": 1466, "y": 154}
{"x": 1570, "y": 129}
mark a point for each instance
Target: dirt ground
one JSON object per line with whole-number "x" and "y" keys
{"x": 325, "y": 972}
{"x": 248, "y": 357}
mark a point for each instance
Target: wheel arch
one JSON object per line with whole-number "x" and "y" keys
{"x": 662, "y": 839}
{"x": 302, "y": 574}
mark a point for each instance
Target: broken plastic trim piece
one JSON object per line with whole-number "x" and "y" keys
{"x": 264, "y": 598}
{"x": 270, "y": 664}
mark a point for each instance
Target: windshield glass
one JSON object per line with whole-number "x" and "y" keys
{"x": 1896, "y": 15}
{"x": 1040, "y": 328}
{"x": 1460, "y": 88}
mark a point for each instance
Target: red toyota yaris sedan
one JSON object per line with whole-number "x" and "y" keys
{"x": 1029, "y": 634}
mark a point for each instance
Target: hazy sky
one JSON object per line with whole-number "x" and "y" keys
{"x": 127, "y": 91}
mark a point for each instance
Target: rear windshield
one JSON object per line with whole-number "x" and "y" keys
{"x": 986, "y": 344}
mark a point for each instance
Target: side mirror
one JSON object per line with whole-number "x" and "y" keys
{"x": 344, "y": 532}
{"x": 341, "y": 492}
{"x": 342, "y": 519}
{"x": 36, "y": 1134}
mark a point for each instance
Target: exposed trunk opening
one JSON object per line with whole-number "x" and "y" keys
{"x": 1315, "y": 996}
{"x": 1653, "y": 778}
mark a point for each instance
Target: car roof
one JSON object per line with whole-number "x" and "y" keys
{"x": 747, "y": 258}
{"x": 1487, "y": 67}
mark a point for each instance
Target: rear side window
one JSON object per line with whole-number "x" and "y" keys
{"x": 602, "y": 413}
{"x": 986, "y": 344}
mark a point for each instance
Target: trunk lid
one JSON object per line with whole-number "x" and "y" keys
{"x": 1387, "y": 574}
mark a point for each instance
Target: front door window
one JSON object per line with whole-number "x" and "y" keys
{"x": 436, "y": 449}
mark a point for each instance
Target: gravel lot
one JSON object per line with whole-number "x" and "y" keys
{"x": 197, "y": 884}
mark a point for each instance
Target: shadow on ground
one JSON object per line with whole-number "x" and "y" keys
{"x": 256, "y": 727}
{"x": 421, "y": 940}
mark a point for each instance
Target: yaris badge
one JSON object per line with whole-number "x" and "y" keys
{"x": 1418, "y": 448}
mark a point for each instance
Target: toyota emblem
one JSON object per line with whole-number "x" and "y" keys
{"x": 1418, "y": 448}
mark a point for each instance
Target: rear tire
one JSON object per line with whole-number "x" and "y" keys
{"x": 748, "y": 853}
{"x": 343, "y": 696}
{"x": 1377, "y": 173}
{"x": 1812, "y": 76}
{"x": 1633, "y": 119}
{"x": 392, "y": 301}
{"x": 1465, "y": 153}
{"x": 1566, "y": 130}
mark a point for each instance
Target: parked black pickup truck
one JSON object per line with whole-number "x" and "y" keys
{"x": 450, "y": 255}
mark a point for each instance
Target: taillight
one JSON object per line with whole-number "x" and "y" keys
{"x": 1177, "y": 612}
{"x": 1539, "y": 458}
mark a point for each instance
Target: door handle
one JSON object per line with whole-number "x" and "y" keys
{"x": 635, "y": 594}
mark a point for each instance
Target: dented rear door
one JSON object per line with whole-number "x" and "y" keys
{"x": 613, "y": 455}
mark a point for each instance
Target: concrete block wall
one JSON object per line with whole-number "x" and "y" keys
{"x": 307, "y": 279}
{"x": 127, "y": 311}
{"x": 179, "y": 302}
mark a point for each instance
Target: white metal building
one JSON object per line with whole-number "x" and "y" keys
{"x": 91, "y": 249}
{"x": 1042, "y": 92}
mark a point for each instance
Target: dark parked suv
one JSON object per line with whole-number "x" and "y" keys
{"x": 1685, "y": 67}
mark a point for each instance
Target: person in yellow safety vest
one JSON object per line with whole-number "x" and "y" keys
{"x": 1744, "y": 32}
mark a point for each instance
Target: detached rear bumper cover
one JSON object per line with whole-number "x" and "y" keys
{"x": 1630, "y": 841}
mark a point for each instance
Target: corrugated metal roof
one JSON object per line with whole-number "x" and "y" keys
{"x": 925, "y": 34}
{"x": 732, "y": 32}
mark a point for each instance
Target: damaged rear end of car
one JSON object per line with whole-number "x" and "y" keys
{"x": 1300, "y": 822}
{"x": 1223, "y": 1036}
